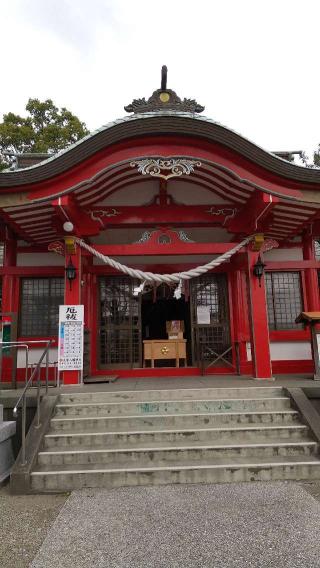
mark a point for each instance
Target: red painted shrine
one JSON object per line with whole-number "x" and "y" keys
{"x": 164, "y": 190}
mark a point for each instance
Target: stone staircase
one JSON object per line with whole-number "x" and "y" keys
{"x": 207, "y": 435}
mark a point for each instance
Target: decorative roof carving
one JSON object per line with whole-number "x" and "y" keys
{"x": 165, "y": 168}
{"x": 164, "y": 236}
{"x": 164, "y": 99}
{"x": 269, "y": 244}
{"x": 56, "y": 246}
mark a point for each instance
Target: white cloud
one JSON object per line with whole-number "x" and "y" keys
{"x": 251, "y": 63}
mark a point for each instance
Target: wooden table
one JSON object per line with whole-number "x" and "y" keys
{"x": 164, "y": 349}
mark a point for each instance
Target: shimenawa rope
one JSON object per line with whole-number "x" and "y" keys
{"x": 175, "y": 277}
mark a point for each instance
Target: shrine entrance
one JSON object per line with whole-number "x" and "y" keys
{"x": 158, "y": 307}
{"x": 127, "y": 320}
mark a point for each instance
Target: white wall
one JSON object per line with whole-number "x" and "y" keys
{"x": 40, "y": 259}
{"x": 283, "y": 254}
{"x": 137, "y": 194}
{"x": 34, "y": 356}
{"x": 285, "y": 350}
{"x": 192, "y": 193}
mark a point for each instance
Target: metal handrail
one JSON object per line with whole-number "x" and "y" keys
{"x": 17, "y": 344}
{"x": 36, "y": 371}
{"x": 9, "y": 345}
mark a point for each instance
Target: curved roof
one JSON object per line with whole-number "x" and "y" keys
{"x": 158, "y": 123}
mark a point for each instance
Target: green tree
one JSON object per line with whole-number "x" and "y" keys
{"x": 46, "y": 129}
{"x": 316, "y": 157}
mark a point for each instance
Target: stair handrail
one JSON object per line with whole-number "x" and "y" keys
{"x": 23, "y": 398}
{"x": 16, "y": 344}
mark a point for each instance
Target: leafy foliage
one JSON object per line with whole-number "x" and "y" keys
{"x": 316, "y": 157}
{"x": 46, "y": 129}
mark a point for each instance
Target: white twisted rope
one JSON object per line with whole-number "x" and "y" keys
{"x": 175, "y": 277}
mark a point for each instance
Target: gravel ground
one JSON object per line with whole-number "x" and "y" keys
{"x": 218, "y": 526}
{"x": 313, "y": 487}
{"x": 25, "y": 521}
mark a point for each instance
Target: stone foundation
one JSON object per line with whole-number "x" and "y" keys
{"x": 7, "y": 431}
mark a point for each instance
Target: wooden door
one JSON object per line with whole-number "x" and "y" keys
{"x": 120, "y": 324}
{"x": 210, "y": 321}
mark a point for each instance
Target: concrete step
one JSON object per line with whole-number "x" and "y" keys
{"x": 215, "y": 470}
{"x": 172, "y": 394}
{"x": 171, "y": 407}
{"x": 175, "y": 454}
{"x": 141, "y": 422}
{"x": 237, "y": 433}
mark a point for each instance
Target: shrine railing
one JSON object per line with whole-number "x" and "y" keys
{"x": 210, "y": 357}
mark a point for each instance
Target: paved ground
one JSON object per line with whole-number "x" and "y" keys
{"x": 147, "y": 383}
{"x": 218, "y": 526}
{"x": 24, "y": 523}
{"x": 257, "y": 525}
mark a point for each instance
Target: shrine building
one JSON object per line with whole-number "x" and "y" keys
{"x": 215, "y": 237}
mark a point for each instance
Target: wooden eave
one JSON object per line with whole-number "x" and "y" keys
{"x": 156, "y": 124}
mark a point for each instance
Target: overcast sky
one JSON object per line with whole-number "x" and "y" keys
{"x": 252, "y": 63}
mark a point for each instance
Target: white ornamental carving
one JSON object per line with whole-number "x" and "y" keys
{"x": 227, "y": 212}
{"x": 99, "y": 214}
{"x": 165, "y": 168}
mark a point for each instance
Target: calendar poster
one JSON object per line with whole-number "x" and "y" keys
{"x": 70, "y": 347}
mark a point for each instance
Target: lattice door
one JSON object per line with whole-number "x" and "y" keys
{"x": 209, "y": 301}
{"x": 120, "y": 324}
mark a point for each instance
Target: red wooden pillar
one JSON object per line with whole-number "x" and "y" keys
{"x": 240, "y": 316}
{"x": 10, "y": 259}
{"x": 72, "y": 296}
{"x": 9, "y": 297}
{"x": 260, "y": 346}
{"x": 312, "y": 300}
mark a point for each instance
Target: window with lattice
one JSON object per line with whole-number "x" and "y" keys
{"x": 284, "y": 299}
{"x": 40, "y": 301}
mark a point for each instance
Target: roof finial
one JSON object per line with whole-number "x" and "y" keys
{"x": 164, "y": 73}
{"x": 164, "y": 99}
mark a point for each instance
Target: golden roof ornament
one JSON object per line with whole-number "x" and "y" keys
{"x": 164, "y": 99}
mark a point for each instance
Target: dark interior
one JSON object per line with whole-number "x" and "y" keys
{"x": 159, "y": 307}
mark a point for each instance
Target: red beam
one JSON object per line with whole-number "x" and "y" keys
{"x": 164, "y": 249}
{"x": 33, "y": 270}
{"x": 290, "y": 335}
{"x": 153, "y": 215}
{"x": 59, "y": 270}
{"x": 155, "y": 268}
{"x": 292, "y": 265}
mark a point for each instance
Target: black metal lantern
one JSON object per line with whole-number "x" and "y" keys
{"x": 258, "y": 269}
{"x": 71, "y": 272}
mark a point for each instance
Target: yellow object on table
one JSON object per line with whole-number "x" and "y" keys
{"x": 164, "y": 349}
